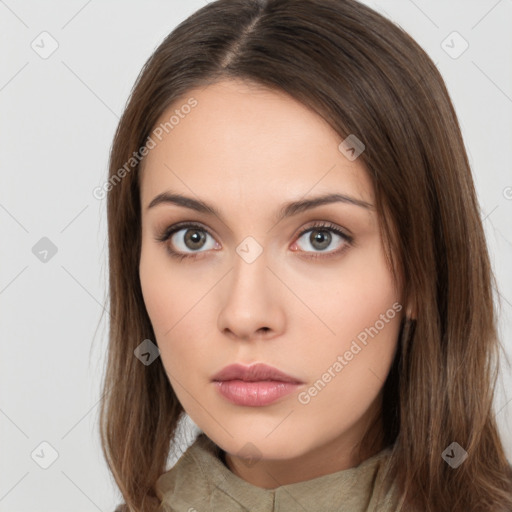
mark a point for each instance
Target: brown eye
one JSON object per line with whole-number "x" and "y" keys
{"x": 194, "y": 239}
{"x": 186, "y": 240}
{"x": 322, "y": 237}
{"x": 191, "y": 239}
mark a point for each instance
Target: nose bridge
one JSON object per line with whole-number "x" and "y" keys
{"x": 251, "y": 301}
{"x": 250, "y": 272}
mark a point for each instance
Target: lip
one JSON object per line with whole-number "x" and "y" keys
{"x": 254, "y": 373}
{"x": 255, "y": 386}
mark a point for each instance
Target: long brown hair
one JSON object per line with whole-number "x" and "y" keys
{"x": 365, "y": 76}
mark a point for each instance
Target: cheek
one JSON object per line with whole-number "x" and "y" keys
{"x": 174, "y": 302}
{"x": 158, "y": 299}
{"x": 363, "y": 316}
{"x": 345, "y": 379}
{"x": 165, "y": 296}
{"x": 352, "y": 298}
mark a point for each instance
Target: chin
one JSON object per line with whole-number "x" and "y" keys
{"x": 255, "y": 440}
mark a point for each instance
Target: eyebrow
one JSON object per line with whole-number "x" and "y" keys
{"x": 287, "y": 210}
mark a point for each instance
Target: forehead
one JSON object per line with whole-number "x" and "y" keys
{"x": 247, "y": 143}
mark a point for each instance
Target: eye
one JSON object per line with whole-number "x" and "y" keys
{"x": 321, "y": 237}
{"x": 186, "y": 237}
{"x": 186, "y": 240}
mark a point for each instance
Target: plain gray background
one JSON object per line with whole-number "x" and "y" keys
{"x": 58, "y": 116}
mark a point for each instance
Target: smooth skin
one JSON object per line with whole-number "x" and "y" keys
{"x": 247, "y": 151}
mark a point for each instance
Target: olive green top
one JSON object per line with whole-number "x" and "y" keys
{"x": 201, "y": 482}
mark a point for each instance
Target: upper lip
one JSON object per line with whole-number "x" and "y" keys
{"x": 253, "y": 373}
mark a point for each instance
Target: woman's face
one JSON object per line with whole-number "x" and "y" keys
{"x": 260, "y": 281}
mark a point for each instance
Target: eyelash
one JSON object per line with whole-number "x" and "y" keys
{"x": 325, "y": 226}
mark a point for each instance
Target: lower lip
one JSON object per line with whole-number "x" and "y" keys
{"x": 254, "y": 394}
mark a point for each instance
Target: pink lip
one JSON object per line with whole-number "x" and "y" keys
{"x": 255, "y": 385}
{"x": 254, "y": 373}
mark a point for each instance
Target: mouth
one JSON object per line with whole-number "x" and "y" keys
{"x": 254, "y": 386}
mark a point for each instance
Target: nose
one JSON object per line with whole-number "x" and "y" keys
{"x": 251, "y": 301}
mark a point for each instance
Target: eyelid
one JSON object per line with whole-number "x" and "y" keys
{"x": 166, "y": 233}
{"x": 327, "y": 226}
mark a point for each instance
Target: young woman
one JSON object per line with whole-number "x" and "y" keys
{"x": 293, "y": 223}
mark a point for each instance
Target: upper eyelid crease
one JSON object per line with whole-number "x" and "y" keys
{"x": 288, "y": 210}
